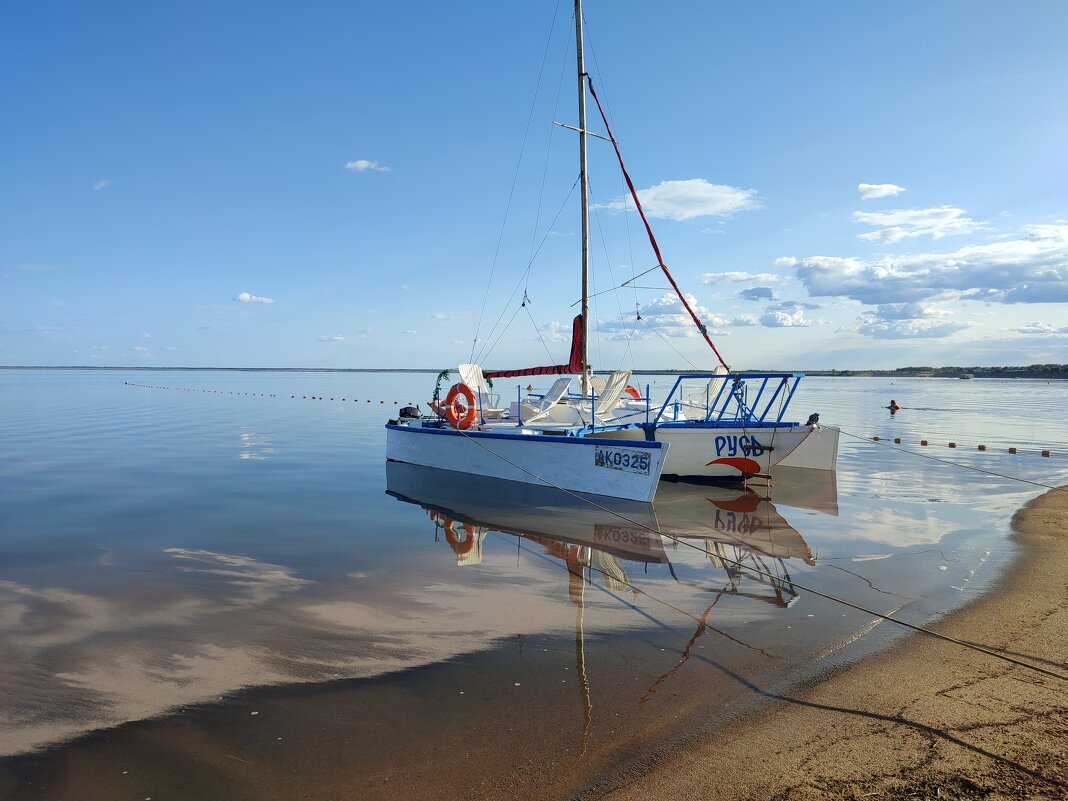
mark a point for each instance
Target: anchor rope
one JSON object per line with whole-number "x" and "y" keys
{"x": 806, "y": 588}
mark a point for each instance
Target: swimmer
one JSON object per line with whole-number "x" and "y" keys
{"x": 893, "y": 407}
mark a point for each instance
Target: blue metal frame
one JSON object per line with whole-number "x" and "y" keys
{"x": 731, "y": 407}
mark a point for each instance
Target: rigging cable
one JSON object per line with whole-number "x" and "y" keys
{"x": 511, "y": 191}
{"x": 803, "y": 587}
{"x": 485, "y": 352}
{"x": 649, "y": 230}
{"x": 625, "y": 196}
{"x": 544, "y": 344}
{"x": 680, "y": 354}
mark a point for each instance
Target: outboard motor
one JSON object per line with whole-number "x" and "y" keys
{"x": 410, "y": 412}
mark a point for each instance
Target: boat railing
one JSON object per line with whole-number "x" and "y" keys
{"x": 751, "y": 399}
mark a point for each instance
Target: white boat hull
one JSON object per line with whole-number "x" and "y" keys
{"x": 610, "y": 467}
{"x": 704, "y": 452}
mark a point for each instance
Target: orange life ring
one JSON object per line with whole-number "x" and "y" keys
{"x": 460, "y": 547}
{"x": 460, "y": 416}
{"x": 633, "y": 392}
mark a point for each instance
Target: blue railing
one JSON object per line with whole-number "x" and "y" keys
{"x": 727, "y": 398}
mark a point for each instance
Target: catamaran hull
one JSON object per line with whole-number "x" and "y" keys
{"x": 700, "y": 451}
{"x": 718, "y": 453}
{"x": 610, "y": 467}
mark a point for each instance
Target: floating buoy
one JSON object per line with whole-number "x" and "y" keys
{"x": 1012, "y": 450}
{"x": 982, "y": 447}
{"x": 875, "y": 438}
{"x": 923, "y": 442}
{"x": 1045, "y": 453}
{"x": 897, "y": 440}
{"x": 953, "y": 444}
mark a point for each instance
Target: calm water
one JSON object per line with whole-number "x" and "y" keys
{"x": 205, "y": 583}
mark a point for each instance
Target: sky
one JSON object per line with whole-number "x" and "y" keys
{"x": 373, "y": 185}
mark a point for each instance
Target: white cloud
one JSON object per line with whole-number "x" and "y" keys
{"x": 1043, "y": 328}
{"x": 1030, "y": 269}
{"x": 245, "y": 297}
{"x": 667, "y": 315}
{"x": 146, "y": 335}
{"x": 363, "y": 165}
{"x": 556, "y": 332}
{"x": 409, "y": 332}
{"x": 909, "y": 311}
{"x": 786, "y": 261}
{"x": 447, "y": 315}
{"x": 745, "y": 319}
{"x": 788, "y": 314}
{"x": 693, "y": 197}
{"x": 738, "y": 277}
{"x": 103, "y": 183}
{"x": 908, "y": 321}
{"x": 893, "y": 226}
{"x": 873, "y": 191}
{"x": 332, "y": 338}
{"x": 872, "y": 326}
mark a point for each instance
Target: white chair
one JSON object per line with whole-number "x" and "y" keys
{"x": 489, "y": 402}
{"x": 705, "y": 399}
{"x": 532, "y": 412}
{"x": 604, "y": 405}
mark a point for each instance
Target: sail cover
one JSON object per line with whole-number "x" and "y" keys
{"x": 573, "y": 366}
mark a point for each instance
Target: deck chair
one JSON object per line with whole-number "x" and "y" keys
{"x": 489, "y": 402}
{"x": 533, "y": 412}
{"x": 608, "y": 400}
{"x": 704, "y": 399}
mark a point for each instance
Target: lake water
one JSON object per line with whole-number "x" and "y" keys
{"x": 211, "y": 587}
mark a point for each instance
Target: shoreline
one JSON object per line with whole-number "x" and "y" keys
{"x": 925, "y": 719}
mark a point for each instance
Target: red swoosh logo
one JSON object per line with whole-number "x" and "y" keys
{"x": 745, "y": 504}
{"x": 741, "y": 464}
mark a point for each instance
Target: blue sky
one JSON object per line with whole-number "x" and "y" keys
{"x": 331, "y": 184}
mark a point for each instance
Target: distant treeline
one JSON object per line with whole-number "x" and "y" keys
{"x": 1031, "y": 371}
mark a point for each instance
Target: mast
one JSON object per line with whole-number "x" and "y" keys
{"x": 585, "y": 200}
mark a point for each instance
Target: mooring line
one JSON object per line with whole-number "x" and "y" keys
{"x": 813, "y": 590}
{"x": 951, "y": 462}
{"x": 334, "y": 397}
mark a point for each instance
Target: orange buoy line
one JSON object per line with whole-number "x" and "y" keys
{"x": 1046, "y": 452}
{"x": 259, "y": 394}
{"x": 878, "y": 441}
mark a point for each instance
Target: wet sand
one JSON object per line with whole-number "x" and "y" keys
{"x": 927, "y": 719}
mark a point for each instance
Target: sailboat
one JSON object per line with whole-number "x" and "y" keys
{"x": 734, "y": 429}
{"x": 469, "y": 435}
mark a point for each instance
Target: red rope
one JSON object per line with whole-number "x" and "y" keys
{"x": 649, "y": 229}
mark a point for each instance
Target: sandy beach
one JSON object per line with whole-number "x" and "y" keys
{"x": 928, "y": 719}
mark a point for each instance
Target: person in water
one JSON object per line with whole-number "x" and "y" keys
{"x": 893, "y": 407}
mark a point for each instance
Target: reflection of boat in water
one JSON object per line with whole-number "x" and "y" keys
{"x": 464, "y": 505}
{"x": 731, "y": 529}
